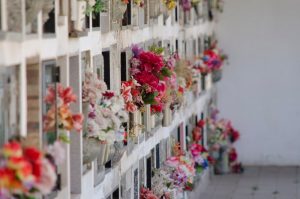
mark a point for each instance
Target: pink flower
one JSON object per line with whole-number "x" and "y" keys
{"x": 48, "y": 179}
{"x": 77, "y": 121}
{"x": 130, "y": 107}
{"x": 173, "y": 161}
{"x": 50, "y": 96}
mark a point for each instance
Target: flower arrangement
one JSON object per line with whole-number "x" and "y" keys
{"x": 59, "y": 116}
{"x": 195, "y": 2}
{"x": 130, "y": 90}
{"x": 25, "y": 172}
{"x": 184, "y": 74}
{"x": 200, "y": 157}
{"x": 125, "y": 1}
{"x": 183, "y": 171}
{"x": 172, "y": 96}
{"x": 149, "y": 70}
{"x": 139, "y": 3}
{"x": 170, "y": 4}
{"x": 147, "y": 194}
{"x": 95, "y": 7}
{"x": 223, "y": 135}
{"x": 105, "y": 111}
{"x": 186, "y": 5}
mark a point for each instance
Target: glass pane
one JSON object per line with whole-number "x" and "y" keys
{"x": 49, "y": 17}
{"x": 48, "y": 80}
{"x": 9, "y": 103}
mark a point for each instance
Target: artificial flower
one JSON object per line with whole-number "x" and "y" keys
{"x": 59, "y": 114}
{"x": 106, "y": 112}
{"x": 12, "y": 149}
{"x": 23, "y": 175}
{"x": 48, "y": 179}
{"x": 57, "y": 151}
{"x": 170, "y": 4}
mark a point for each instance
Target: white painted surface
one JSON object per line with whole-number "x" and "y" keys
{"x": 260, "y": 89}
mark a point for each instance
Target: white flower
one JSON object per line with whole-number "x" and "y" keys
{"x": 57, "y": 151}
{"x": 48, "y": 179}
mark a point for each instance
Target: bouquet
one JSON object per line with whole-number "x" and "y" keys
{"x": 59, "y": 116}
{"x": 170, "y": 4}
{"x": 186, "y": 5}
{"x": 200, "y": 157}
{"x": 130, "y": 91}
{"x": 106, "y": 111}
{"x": 25, "y": 172}
{"x": 139, "y": 3}
{"x": 147, "y": 194}
{"x": 149, "y": 70}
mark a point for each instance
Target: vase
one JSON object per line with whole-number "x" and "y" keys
{"x": 33, "y": 7}
{"x": 117, "y": 13}
{"x": 216, "y": 75}
{"x": 119, "y": 150}
{"x": 208, "y": 81}
{"x": 222, "y": 165}
{"x": 85, "y": 112}
{"x": 158, "y": 118}
{"x": 92, "y": 148}
{"x": 79, "y": 24}
{"x": 135, "y": 15}
{"x": 135, "y": 124}
{"x": 91, "y": 2}
{"x": 14, "y": 11}
{"x": 154, "y": 8}
{"x": 147, "y": 120}
{"x": 167, "y": 116}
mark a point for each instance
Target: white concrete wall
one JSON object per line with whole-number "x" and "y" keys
{"x": 260, "y": 89}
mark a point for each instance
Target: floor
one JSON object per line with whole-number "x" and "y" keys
{"x": 256, "y": 183}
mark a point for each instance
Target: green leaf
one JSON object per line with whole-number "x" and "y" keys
{"x": 157, "y": 50}
{"x": 64, "y": 138}
{"x": 199, "y": 169}
{"x": 166, "y": 72}
{"x": 149, "y": 98}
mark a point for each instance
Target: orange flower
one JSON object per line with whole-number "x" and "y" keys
{"x": 6, "y": 177}
{"x": 12, "y": 149}
{"x": 49, "y": 119}
{"x": 22, "y": 167}
{"x": 65, "y": 117}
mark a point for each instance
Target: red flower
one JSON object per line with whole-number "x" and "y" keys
{"x": 197, "y": 136}
{"x": 158, "y": 108}
{"x": 77, "y": 121}
{"x": 32, "y": 154}
{"x": 151, "y": 61}
{"x": 147, "y": 78}
{"x": 108, "y": 94}
{"x": 233, "y": 155}
{"x": 12, "y": 149}
{"x": 181, "y": 89}
{"x": 201, "y": 123}
{"x": 66, "y": 94}
{"x": 50, "y": 97}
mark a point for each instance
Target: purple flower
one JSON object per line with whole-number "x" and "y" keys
{"x": 136, "y": 50}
